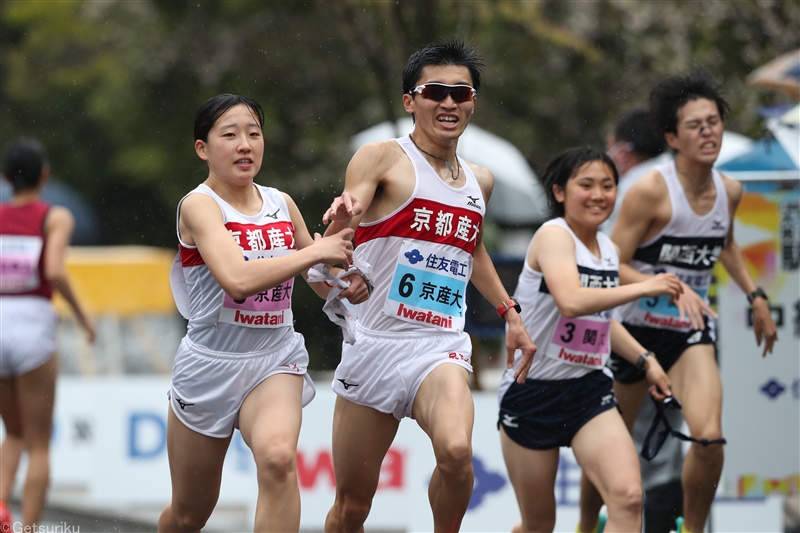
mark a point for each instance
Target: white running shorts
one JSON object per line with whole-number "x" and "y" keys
{"x": 28, "y": 328}
{"x": 208, "y": 388}
{"x": 385, "y": 370}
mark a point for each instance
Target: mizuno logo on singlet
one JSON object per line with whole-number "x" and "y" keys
{"x": 347, "y": 385}
{"x": 717, "y": 224}
{"x": 473, "y": 201}
{"x": 182, "y": 403}
{"x": 273, "y": 215}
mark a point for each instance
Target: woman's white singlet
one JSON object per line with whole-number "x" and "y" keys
{"x": 219, "y": 323}
{"x": 567, "y": 347}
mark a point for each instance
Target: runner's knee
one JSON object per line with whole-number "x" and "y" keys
{"x": 625, "y": 498}
{"x": 275, "y": 461}
{"x": 713, "y": 452}
{"x": 710, "y": 430}
{"x": 454, "y": 457}
{"x": 188, "y": 519}
{"x": 352, "y": 511}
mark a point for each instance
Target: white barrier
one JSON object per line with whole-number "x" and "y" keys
{"x": 109, "y": 447}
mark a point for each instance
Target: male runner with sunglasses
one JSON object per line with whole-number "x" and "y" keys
{"x": 679, "y": 218}
{"x": 420, "y": 230}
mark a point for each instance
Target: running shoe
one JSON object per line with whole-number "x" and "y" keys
{"x": 602, "y": 518}
{"x": 678, "y": 525}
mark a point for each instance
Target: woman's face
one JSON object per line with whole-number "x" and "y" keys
{"x": 589, "y": 194}
{"x": 235, "y": 147}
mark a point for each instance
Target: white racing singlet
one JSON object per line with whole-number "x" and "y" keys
{"x": 217, "y": 321}
{"x": 568, "y": 347}
{"x": 688, "y": 246}
{"x": 422, "y": 253}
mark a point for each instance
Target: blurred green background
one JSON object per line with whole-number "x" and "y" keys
{"x": 111, "y": 87}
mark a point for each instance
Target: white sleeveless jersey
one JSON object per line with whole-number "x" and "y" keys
{"x": 219, "y": 323}
{"x": 688, "y": 247}
{"x": 422, "y": 253}
{"x": 567, "y": 347}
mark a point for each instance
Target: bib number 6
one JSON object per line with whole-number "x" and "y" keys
{"x": 406, "y": 288}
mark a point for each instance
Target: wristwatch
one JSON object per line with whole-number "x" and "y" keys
{"x": 511, "y": 303}
{"x": 758, "y": 293}
{"x": 642, "y": 358}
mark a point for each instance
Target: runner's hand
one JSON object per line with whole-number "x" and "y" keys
{"x": 342, "y": 209}
{"x": 664, "y": 284}
{"x": 357, "y": 292}
{"x": 88, "y": 325}
{"x": 692, "y": 307}
{"x": 763, "y": 325}
{"x": 660, "y": 385}
{"x": 335, "y": 249}
{"x": 517, "y": 338}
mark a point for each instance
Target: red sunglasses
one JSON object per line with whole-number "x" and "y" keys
{"x": 439, "y": 91}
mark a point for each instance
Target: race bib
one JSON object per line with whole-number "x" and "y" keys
{"x": 19, "y": 263}
{"x": 580, "y": 341}
{"x": 429, "y": 285}
{"x": 269, "y": 309}
{"x": 660, "y": 312}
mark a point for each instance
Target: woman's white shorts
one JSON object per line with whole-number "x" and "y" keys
{"x": 208, "y": 388}
{"x": 28, "y": 328}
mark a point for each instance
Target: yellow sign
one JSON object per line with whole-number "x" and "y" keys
{"x": 120, "y": 280}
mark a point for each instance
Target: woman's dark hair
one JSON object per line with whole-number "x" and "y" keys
{"x": 453, "y": 51}
{"x": 23, "y": 162}
{"x": 564, "y": 166}
{"x": 212, "y": 109}
{"x": 674, "y": 92}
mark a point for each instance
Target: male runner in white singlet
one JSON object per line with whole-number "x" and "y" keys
{"x": 423, "y": 210}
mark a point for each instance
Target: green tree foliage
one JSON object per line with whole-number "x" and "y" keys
{"x": 111, "y": 87}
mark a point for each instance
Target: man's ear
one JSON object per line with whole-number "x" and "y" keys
{"x": 408, "y": 103}
{"x": 672, "y": 140}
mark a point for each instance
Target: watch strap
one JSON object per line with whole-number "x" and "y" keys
{"x": 511, "y": 303}
{"x": 642, "y": 359}
{"x": 758, "y": 293}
